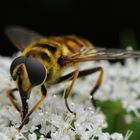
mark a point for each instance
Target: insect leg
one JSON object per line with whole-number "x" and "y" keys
{"x": 98, "y": 83}
{"x": 44, "y": 93}
{"x": 23, "y": 96}
{"x": 12, "y": 98}
{"x": 85, "y": 73}
{"x": 75, "y": 75}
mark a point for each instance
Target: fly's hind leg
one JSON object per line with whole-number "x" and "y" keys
{"x": 98, "y": 83}
{"x": 85, "y": 73}
{"x": 75, "y": 75}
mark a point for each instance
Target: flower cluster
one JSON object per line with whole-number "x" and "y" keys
{"x": 52, "y": 121}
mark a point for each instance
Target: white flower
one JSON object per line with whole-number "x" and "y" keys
{"x": 128, "y": 118}
{"x": 32, "y": 136}
{"x": 20, "y": 136}
{"x": 128, "y": 134}
{"x": 116, "y": 136}
{"x": 3, "y": 136}
{"x": 104, "y": 136}
{"x": 53, "y": 119}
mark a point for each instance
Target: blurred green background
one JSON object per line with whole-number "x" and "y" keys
{"x": 107, "y": 24}
{"x": 116, "y": 119}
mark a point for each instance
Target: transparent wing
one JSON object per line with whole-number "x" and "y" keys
{"x": 95, "y": 54}
{"x": 21, "y": 37}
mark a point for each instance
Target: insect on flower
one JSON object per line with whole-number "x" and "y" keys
{"x": 44, "y": 59}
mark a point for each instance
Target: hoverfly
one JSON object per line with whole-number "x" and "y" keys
{"x": 44, "y": 59}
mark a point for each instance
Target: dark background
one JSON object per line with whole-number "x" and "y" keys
{"x": 111, "y": 25}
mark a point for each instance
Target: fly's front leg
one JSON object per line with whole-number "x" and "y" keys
{"x": 23, "y": 111}
{"x": 44, "y": 93}
{"x": 12, "y": 98}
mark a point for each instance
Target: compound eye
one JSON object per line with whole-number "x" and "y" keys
{"x": 36, "y": 71}
{"x": 17, "y": 61}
